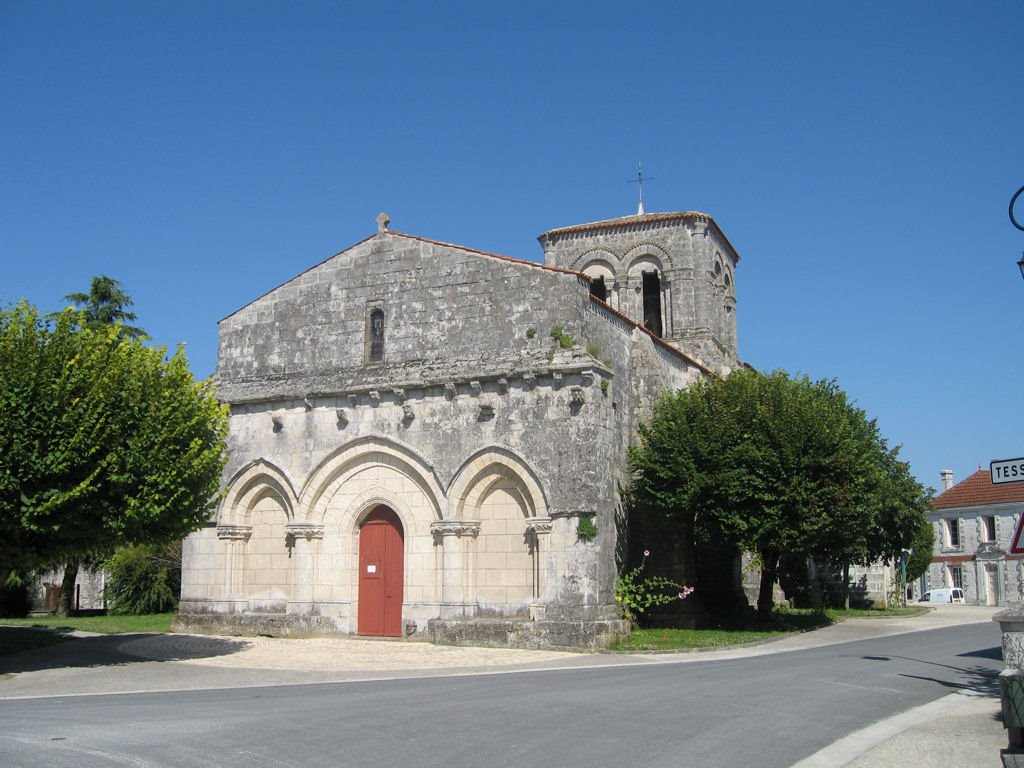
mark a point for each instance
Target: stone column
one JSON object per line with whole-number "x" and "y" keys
{"x": 1011, "y": 681}
{"x": 543, "y": 563}
{"x": 302, "y": 537}
{"x": 234, "y": 538}
{"x": 456, "y": 562}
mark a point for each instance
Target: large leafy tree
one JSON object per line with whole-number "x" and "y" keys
{"x": 776, "y": 466}
{"x": 103, "y": 441}
{"x": 105, "y": 304}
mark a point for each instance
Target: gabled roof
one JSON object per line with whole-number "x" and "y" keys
{"x": 978, "y": 490}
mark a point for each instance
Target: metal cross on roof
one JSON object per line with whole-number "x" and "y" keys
{"x": 640, "y": 179}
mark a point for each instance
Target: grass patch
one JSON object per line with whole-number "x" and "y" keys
{"x": 104, "y": 625}
{"x": 838, "y": 614}
{"x": 783, "y": 622}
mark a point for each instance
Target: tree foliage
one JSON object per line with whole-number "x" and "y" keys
{"x": 103, "y": 441}
{"x": 143, "y": 579}
{"x": 775, "y": 465}
{"x": 107, "y": 304}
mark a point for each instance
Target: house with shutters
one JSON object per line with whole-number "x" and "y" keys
{"x": 974, "y": 522}
{"x": 428, "y": 440}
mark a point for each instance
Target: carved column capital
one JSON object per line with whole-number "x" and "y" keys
{"x": 306, "y": 531}
{"x": 539, "y": 525}
{"x": 442, "y": 528}
{"x": 234, "y": 532}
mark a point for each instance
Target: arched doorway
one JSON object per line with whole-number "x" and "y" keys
{"x": 381, "y": 574}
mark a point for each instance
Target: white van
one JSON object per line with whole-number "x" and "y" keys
{"x": 953, "y": 595}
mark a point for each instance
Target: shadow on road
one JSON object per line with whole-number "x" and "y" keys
{"x": 979, "y": 679}
{"x": 117, "y": 650}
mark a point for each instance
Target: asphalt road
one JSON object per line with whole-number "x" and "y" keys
{"x": 767, "y": 711}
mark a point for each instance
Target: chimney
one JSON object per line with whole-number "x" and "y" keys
{"x": 947, "y": 479}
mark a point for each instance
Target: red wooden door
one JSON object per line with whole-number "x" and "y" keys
{"x": 381, "y": 574}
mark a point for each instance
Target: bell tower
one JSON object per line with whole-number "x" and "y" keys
{"x": 672, "y": 273}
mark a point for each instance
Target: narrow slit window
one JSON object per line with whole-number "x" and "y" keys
{"x": 652, "y": 303}
{"x": 377, "y": 336}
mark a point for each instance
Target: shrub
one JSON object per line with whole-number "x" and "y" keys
{"x": 586, "y": 528}
{"x": 143, "y": 579}
{"x": 635, "y": 594}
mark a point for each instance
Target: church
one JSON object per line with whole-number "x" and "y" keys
{"x": 427, "y": 441}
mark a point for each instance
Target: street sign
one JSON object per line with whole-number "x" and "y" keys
{"x": 1007, "y": 471}
{"x": 1016, "y": 545}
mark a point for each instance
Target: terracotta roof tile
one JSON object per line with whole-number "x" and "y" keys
{"x": 638, "y": 219}
{"x": 978, "y": 490}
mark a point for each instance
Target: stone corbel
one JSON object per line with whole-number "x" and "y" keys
{"x": 503, "y": 385}
{"x": 307, "y": 403}
{"x": 399, "y": 395}
{"x": 529, "y": 380}
{"x": 407, "y": 414}
{"x": 353, "y": 400}
{"x": 342, "y": 418}
{"x": 587, "y": 376}
{"x": 557, "y": 513}
{"x": 374, "y": 397}
{"x": 477, "y": 388}
{"x": 307, "y": 531}
{"x": 234, "y": 532}
{"x": 557, "y": 379}
{"x": 451, "y": 390}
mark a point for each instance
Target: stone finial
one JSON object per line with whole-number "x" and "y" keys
{"x": 382, "y": 222}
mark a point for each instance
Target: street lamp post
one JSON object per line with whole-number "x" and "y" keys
{"x": 904, "y": 556}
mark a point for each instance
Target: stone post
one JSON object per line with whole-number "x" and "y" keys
{"x": 234, "y": 538}
{"x": 454, "y": 536}
{"x": 302, "y": 537}
{"x": 1011, "y": 682}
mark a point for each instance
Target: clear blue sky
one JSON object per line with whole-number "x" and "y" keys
{"x": 860, "y": 156}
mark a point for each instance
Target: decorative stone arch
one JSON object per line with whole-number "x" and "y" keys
{"x": 650, "y": 301}
{"x": 649, "y": 253}
{"x": 594, "y": 256}
{"x": 601, "y": 274}
{"x": 356, "y": 456}
{"x": 483, "y": 469}
{"x": 504, "y": 572}
{"x": 253, "y": 482}
{"x": 365, "y": 503}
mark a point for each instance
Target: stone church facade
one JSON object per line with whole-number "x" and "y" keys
{"x": 427, "y": 440}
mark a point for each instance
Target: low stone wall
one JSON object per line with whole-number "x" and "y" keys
{"x": 544, "y": 634}
{"x": 254, "y": 624}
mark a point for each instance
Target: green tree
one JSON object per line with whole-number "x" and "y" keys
{"x": 103, "y": 441}
{"x": 143, "y": 579}
{"x": 776, "y": 466}
{"x": 106, "y": 304}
